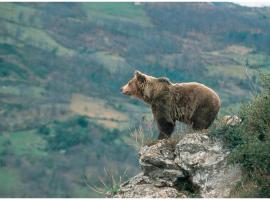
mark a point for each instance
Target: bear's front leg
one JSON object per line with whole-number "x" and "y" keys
{"x": 165, "y": 128}
{"x": 161, "y": 112}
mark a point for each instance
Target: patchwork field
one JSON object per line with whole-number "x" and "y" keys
{"x": 98, "y": 110}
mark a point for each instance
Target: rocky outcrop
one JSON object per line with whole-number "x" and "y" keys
{"x": 231, "y": 120}
{"x": 194, "y": 165}
{"x": 144, "y": 186}
{"x": 205, "y": 161}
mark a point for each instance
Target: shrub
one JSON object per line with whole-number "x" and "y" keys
{"x": 82, "y": 121}
{"x": 44, "y": 130}
{"x": 65, "y": 134}
{"x": 250, "y": 144}
{"x": 66, "y": 138}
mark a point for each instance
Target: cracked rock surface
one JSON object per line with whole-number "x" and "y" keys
{"x": 143, "y": 186}
{"x": 195, "y": 166}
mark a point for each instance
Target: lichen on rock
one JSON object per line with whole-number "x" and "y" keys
{"x": 144, "y": 186}
{"x": 205, "y": 160}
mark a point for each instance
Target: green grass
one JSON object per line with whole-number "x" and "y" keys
{"x": 112, "y": 63}
{"x": 31, "y": 91}
{"x": 84, "y": 192}
{"x": 18, "y": 13}
{"x": 10, "y": 182}
{"x": 8, "y": 69}
{"x": 118, "y": 11}
{"x": 259, "y": 60}
{"x": 9, "y": 90}
{"x": 128, "y": 10}
{"x": 240, "y": 56}
{"x": 6, "y": 49}
{"x": 35, "y": 37}
{"x": 25, "y": 143}
{"x": 230, "y": 71}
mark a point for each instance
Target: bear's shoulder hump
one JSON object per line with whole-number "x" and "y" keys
{"x": 164, "y": 80}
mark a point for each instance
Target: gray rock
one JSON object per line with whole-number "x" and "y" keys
{"x": 157, "y": 162}
{"x": 197, "y": 160}
{"x": 205, "y": 160}
{"x": 231, "y": 120}
{"x": 142, "y": 186}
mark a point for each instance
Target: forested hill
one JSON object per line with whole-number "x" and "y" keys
{"x": 62, "y": 64}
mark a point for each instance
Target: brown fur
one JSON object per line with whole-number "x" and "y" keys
{"x": 192, "y": 103}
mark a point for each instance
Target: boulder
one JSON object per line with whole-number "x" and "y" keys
{"x": 194, "y": 166}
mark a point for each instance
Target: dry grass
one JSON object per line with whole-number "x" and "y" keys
{"x": 109, "y": 185}
{"x": 142, "y": 137}
{"x": 238, "y": 49}
{"x": 97, "y": 109}
{"x": 148, "y": 136}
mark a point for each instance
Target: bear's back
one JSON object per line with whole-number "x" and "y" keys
{"x": 197, "y": 93}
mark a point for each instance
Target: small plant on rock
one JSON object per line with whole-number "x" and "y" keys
{"x": 109, "y": 185}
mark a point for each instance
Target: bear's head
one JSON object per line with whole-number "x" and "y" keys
{"x": 135, "y": 86}
{"x": 143, "y": 86}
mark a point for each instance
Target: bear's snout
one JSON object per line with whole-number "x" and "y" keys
{"x": 122, "y": 90}
{"x": 125, "y": 90}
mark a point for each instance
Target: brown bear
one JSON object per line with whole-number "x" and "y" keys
{"x": 192, "y": 103}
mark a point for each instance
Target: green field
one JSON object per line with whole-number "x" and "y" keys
{"x": 118, "y": 11}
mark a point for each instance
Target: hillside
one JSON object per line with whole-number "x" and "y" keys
{"x": 62, "y": 117}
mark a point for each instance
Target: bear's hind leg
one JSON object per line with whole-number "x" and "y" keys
{"x": 199, "y": 125}
{"x": 203, "y": 118}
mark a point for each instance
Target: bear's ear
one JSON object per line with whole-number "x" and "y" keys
{"x": 137, "y": 72}
{"x": 140, "y": 76}
{"x": 164, "y": 80}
